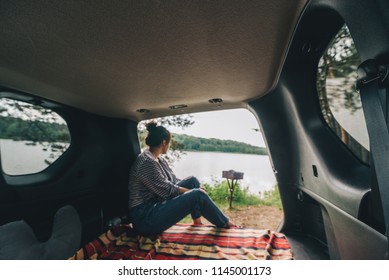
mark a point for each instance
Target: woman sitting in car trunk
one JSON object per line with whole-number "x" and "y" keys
{"x": 157, "y": 199}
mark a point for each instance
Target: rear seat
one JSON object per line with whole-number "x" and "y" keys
{"x": 18, "y": 241}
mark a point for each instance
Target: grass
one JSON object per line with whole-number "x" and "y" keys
{"x": 219, "y": 192}
{"x": 272, "y": 198}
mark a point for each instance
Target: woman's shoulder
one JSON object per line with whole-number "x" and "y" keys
{"x": 143, "y": 161}
{"x": 145, "y": 157}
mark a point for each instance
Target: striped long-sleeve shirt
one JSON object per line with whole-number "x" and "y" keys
{"x": 151, "y": 180}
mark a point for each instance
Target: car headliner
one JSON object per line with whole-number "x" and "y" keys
{"x": 115, "y": 57}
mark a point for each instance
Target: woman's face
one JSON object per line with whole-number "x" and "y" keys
{"x": 165, "y": 146}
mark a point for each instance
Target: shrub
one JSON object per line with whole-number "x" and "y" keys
{"x": 220, "y": 193}
{"x": 272, "y": 198}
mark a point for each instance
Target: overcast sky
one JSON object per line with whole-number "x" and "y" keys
{"x": 238, "y": 124}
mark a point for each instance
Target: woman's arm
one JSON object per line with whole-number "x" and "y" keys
{"x": 167, "y": 169}
{"x": 152, "y": 177}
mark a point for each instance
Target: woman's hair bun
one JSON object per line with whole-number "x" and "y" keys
{"x": 156, "y": 134}
{"x": 151, "y": 126}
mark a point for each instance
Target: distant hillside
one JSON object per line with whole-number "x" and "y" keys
{"x": 192, "y": 143}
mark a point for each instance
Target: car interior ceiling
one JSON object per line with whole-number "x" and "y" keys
{"x": 102, "y": 84}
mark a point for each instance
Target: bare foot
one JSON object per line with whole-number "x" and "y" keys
{"x": 232, "y": 225}
{"x": 197, "y": 221}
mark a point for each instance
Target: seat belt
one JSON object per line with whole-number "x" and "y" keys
{"x": 373, "y": 82}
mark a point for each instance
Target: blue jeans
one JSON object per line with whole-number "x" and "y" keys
{"x": 154, "y": 218}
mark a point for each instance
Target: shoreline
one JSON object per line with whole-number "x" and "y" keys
{"x": 218, "y": 152}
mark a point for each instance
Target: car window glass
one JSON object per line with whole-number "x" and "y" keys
{"x": 31, "y": 137}
{"x": 339, "y": 99}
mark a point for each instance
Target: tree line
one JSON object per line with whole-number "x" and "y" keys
{"x": 183, "y": 142}
{"x": 192, "y": 143}
{"x": 38, "y": 131}
{"x": 35, "y": 131}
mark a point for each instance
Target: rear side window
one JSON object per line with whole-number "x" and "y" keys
{"x": 339, "y": 99}
{"x": 31, "y": 137}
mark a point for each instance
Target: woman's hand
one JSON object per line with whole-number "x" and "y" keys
{"x": 182, "y": 190}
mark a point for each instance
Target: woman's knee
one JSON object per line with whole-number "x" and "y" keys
{"x": 195, "y": 182}
{"x": 200, "y": 194}
{"x": 190, "y": 183}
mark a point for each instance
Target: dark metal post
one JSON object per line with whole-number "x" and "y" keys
{"x": 233, "y": 176}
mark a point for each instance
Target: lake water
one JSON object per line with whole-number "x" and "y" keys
{"x": 19, "y": 158}
{"x": 208, "y": 166}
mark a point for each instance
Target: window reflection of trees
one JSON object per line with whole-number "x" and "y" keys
{"x": 35, "y": 125}
{"x": 336, "y": 82}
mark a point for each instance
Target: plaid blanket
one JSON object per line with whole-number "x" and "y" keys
{"x": 188, "y": 242}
